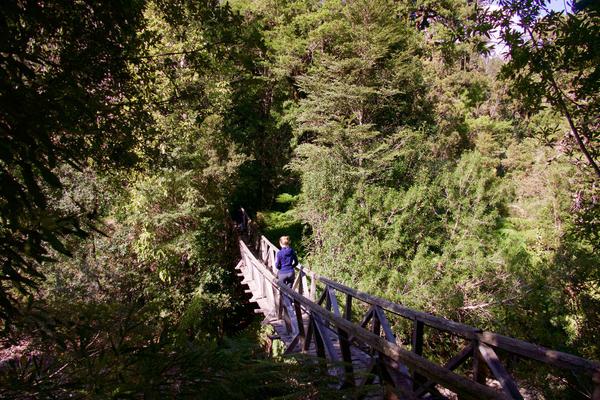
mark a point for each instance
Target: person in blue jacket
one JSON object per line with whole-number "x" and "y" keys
{"x": 285, "y": 262}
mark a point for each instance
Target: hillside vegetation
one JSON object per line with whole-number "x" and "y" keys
{"x": 439, "y": 154}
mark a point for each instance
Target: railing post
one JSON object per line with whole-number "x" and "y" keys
{"x": 270, "y": 298}
{"x": 261, "y": 285}
{"x": 348, "y": 308}
{"x": 478, "y": 364}
{"x": 291, "y": 314}
{"x": 345, "y": 346}
{"x": 313, "y": 287}
{"x": 376, "y": 327}
{"x": 417, "y": 348}
{"x": 273, "y": 255}
{"x": 347, "y": 357}
{"x": 243, "y": 262}
{"x": 261, "y": 249}
{"x": 300, "y": 322}
{"x": 304, "y": 283}
{"x": 309, "y": 333}
{"x": 300, "y": 275}
{"x": 318, "y": 338}
{"x": 279, "y": 305}
{"x": 417, "y": 337}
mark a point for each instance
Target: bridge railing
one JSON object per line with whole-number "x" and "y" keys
{"x": 481, "y": 345}
{"x": 388, "y": 360}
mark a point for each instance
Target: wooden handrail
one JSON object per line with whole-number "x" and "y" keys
{"x": 515, "y": 346}
{"x": 391, "y": 350}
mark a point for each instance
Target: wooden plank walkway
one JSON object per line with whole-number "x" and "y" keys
{"x": 286, "y": 332}
{"x": 308, "y": 319}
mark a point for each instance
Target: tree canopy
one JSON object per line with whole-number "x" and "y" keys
{"x": 403, "y": 154}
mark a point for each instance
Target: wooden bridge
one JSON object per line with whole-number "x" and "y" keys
{"x": 350, "y": 331}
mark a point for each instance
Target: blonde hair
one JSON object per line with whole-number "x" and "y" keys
{"x": 284, "y": 241}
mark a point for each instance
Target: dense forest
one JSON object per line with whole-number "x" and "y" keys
{"x": 439, "y": 154}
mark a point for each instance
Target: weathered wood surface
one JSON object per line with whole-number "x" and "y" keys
{"x": 368, "y": 352}
{"x": 515, "y": 346}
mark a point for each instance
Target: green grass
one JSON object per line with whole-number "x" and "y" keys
{"x": 282, "y": 221}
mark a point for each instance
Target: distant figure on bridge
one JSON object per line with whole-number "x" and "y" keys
{"x": 241, "y": 220}
{"x": 285, "y": 262}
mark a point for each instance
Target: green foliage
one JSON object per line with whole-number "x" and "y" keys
{"x": 422, "y": 180}
{"x": 68, "y": 98}
{"x": 554, "y": 60}
{"x": 374, "y": 133}
{"x": 147, "y": 304}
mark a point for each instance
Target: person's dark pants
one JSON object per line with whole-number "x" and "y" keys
{"x": 286, "y": 278}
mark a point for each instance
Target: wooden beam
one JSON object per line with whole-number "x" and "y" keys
{"x": 506, "y": 380}
{"x": 309, "y": 335}
{"x": 299, "y": 319}
{"x": 479, "y": 371}
{"x": 376, "y": 325}
{"x": 296, "y": 283}
{"x": 305, "y": 291}
{"x": 292, "y": 345}
{"x": 333, "y": 300}
{"x": 367, "y": 318}
{"x": 452, "y": 364}
{"x": 291, "y": 315}
{"x": 400, "y": 382}
{"x": 346, "y": 357}
{"x": 417, "y": 348}
{"x": 385, "y": 324}
{"x": 318, "y": 339}
{"x": 348, "y": 308}
{"x": 456, "y": 328}
{"x": 417, "y": 337}
{"x": 397, "y": 372}
{"x": 327, "y": 343}
{"x": 511, "y": 345}
{"x": 539, "y": 353}
{"x": 322, "y": 297}
{"x": 437, "y": 373}
{"x": 369, "y": 372}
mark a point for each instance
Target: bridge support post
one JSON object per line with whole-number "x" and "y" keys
{"x": 348, "y": 307}
{"x": 347, "y": 357}
{"x": 261, "y": 285}
{"x": 478, "y": 364}
{"x": 417, "y": 348}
